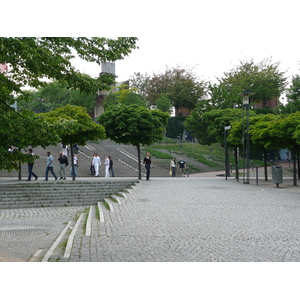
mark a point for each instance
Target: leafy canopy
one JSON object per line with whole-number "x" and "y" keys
{"x": 134, "y": 124}
{"x": 74, "y": 125}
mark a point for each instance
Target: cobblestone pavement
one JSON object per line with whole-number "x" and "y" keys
{"x": 171, "y": 219}
{"x": 197, "y": 219}
{"x": 24, "y": 231}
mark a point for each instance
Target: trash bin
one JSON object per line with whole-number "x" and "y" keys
{"x": 277, "y": 175}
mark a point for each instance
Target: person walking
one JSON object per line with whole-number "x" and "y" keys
{"x": 75, "y": 162}
{"x": 96, "y": 164}
{"x": 49, "y": 166}
{"x": 106, "y": 164}
{"x": 173, "y": 167}
{"x": 111, "y": 168}
{"x": 92, "y": 169}
{"x": 182, "y": 166}
{"x": 147, "y": 163}
{"x": 63, "y": 162}
{"x": 30, "y": 167}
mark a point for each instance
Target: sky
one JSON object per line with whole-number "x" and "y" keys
{"x": 209, "y": 37}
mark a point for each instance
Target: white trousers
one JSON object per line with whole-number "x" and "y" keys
{"x": 106, "y": 171}
{"x": 96, "y": 167}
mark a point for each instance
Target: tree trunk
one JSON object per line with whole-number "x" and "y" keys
{"x": 72, "y": 161}
{"x": 20, "y": 169}
{"x": 297, "y": 151}
{"x": 236, "y": 164}
{"x": 139, "y": 161}
{"x": 294, "y": 166}
{"x": 266, "y": 164}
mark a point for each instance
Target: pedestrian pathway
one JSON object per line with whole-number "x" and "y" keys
{"x": 192, "y": 220}
{"x": 164, "y": 219}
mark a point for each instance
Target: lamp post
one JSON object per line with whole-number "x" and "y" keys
{"x": 246, "y": 147}
{"x": 227, "y": 171}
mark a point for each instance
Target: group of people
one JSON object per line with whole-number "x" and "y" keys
{"x": 173, "y": 166}
{"x": 96, "y": 164}
{"x": 181, "y": 165}
{"x": 63, "y": 163}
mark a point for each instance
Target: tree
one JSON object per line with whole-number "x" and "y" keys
{"x": 293, "y": 95}
{"x": 263, "y": 78}
{"x": 124, "y": 96}
{"x": 52, "y": 96}
{"x": 33, "y": 60}
{"x": 139, "y": 82}
{"x": 284, "y": 134}
{"x": 181, "y": 86}
{"x": 134, "y": 125}
{"x": 259, "y": 133}
{"x": 20, "y": 130}
{"x": 74, "y": 126}
{"x": 163, "y": 103}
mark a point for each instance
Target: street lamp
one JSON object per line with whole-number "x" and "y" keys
{"x": 227, "y": 172}
{"x": 246, "y": 148}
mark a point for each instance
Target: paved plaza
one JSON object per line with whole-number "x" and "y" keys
{"x": 191, "y": 219}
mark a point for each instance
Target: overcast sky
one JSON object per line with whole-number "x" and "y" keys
{"x": 209, "y": 36}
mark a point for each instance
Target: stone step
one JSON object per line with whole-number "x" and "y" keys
{"x": 79, "y": 235}
{"x": 60, "y": 194}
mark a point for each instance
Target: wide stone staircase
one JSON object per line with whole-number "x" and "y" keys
{"x": 60, "y": 193}
{"x": 125, "y": 161}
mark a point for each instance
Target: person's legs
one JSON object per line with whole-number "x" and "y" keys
{"x": 52, "y": 172}
{"x": 46, "y": 174}
{"x": 96, "y": 170}
{"x": 29, "y": 171}
{"x": 148, "y": 172}
{"x": 63, "y": 170}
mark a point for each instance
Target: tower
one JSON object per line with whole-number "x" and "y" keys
{"x": 107, "y": 67}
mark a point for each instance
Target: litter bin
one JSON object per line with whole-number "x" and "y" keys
{"x": 277, "y": 175}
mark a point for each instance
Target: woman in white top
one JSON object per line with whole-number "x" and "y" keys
{"x": 106, "y": 163}
{"x": 75, "y": 160}
{"x": 173, "y": 166}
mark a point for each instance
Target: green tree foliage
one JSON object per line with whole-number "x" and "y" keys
{"x": 181, "y": 86}
{"x": 54, "y": 95}
{"x": 263, "y": 78}
{"x": 259, "y": 134}
{"x": 283, "y": 133}
{"x": 163, "y": 103}
{"x": 124, "y": 96}
{"x": 293, "y": 96}
{"x": 21, "y": 130}
{"x": 134, "y": 125}
{"x": 139, "y": 82}
{"x": 74, "y": 126}
{"x": 175, "y": 127}
{"x": 31, "y": 62}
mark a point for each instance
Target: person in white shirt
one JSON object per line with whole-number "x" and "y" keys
{"x": 106, "y": 163}
{"x": 65, "y": 149}
{"x": 75, "y": 160}
{"x": 96, "y": 164}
